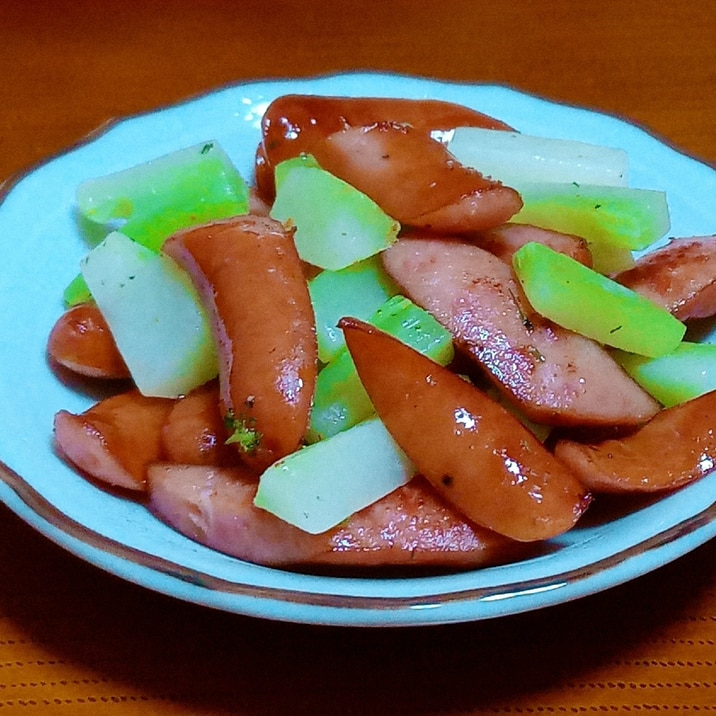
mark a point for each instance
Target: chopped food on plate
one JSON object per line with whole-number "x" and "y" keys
{"x": 403, "y": 342}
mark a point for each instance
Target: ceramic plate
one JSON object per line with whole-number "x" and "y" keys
{"x": 41, "y": 249}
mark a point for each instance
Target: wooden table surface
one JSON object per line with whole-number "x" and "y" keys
{"x": 75, "y": 640}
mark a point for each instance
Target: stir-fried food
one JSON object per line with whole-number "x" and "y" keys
{"x": 345, "y": 363}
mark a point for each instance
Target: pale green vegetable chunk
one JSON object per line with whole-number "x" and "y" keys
{"x": 610, "y": 219}
{"x": 582, "y": 300}
{"x": 336, "y": 225}
{"x": 151, "y": 201}
{"x": 154, "y": 314}
{"x": 516, "y": 159}
{"x": 319, "y": 486}
{"x": 340, "y": 400}
{"x": 686, "y": 373}
{"x": 358, "y": 291}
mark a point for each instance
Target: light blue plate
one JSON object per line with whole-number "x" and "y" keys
{"x": 41, "y": 249}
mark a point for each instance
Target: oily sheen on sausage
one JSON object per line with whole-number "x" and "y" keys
{"x": 473, "y": 451}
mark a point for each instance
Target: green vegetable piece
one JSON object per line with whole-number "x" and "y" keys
{"x": 154, "y": 314}
{"x": 358, "y": 290}
{"x": 151, "y": 201}
{"x": 321, "y": 485}
{"x": 582, "y": 300}
{"x": 340, "y": 400}
{"x": 674, "y": 378}
{"x": 621, "y": 217}
{"x": 516, "y": 159}
{"x": 336, "y": 225}
{"x": 77, "y": 292}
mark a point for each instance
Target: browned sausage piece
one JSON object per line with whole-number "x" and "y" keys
{"x": 473, "y": 451}
{"x": 674, "y": 448}
{"x": 556, "y": 377}
{"x": 506, "y": 239}
{"x": 415, "y": 180}
{"x": 194, "y": 432}
{"x": 681, "y": 277}
{"x": 81, "y": 341}
{"x": 409, "y": 527}
{"x": 116, "y": 439}
{"x": 251, "y": 280}
{"x": 292, "y": 124}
